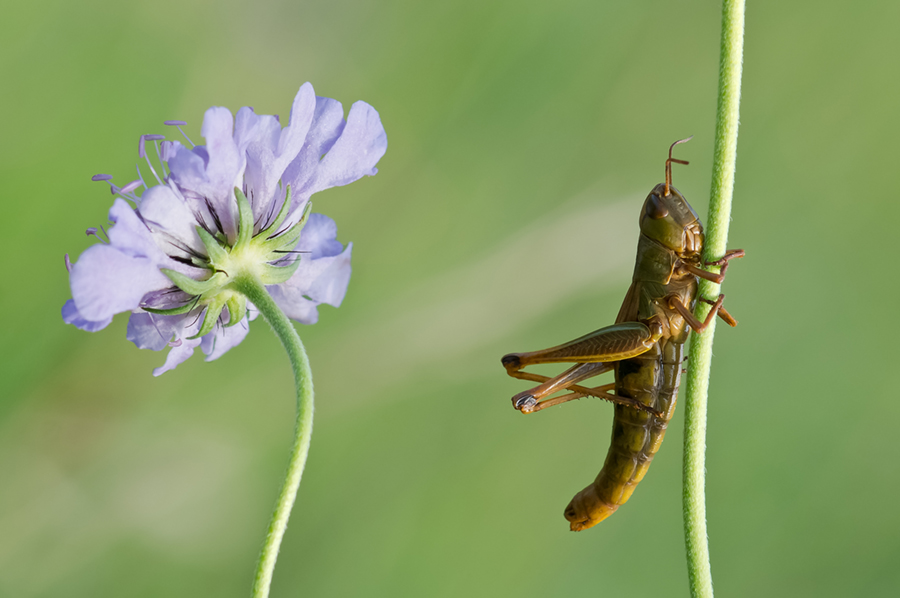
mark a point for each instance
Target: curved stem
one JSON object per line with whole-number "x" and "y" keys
{"x": 694, "y": 499}
{"x": 256, "y": 293}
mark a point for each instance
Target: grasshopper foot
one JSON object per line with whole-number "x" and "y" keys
{"x": 524, "y": 402}
{"x": 733, "y": 254}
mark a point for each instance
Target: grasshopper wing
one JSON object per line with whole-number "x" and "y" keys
{"x": 613, "y": 343}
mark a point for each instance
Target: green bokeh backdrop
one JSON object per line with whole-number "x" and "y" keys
{"x": 522, "y": 139}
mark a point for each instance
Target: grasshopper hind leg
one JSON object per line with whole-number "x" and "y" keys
{"x": 593, "y": 354}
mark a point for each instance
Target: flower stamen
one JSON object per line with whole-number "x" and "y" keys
{"x": 178, "y": 124}
{"x": 143, "y": 154}
{"x": 131, "y": 186}
{"x": 140, "y": 176}
{"x": 92, "y": 231}
{"x": 127, "y": 192}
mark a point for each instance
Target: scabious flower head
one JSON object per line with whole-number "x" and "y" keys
{"x": 237, "y": 206}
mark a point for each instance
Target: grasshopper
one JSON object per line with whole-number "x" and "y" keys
{"x": 645, "y": 349}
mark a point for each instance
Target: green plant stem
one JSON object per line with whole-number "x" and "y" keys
{"x": 256, "y": 293}
{"x": 694, "y": 500}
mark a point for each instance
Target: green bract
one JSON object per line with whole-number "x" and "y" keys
{"x": 251, "y": 256}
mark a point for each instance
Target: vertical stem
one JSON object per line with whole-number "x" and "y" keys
{"x": 256, "y": 293}
{"x": 694, "y": 499}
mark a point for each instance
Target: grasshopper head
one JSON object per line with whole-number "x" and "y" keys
{"x": 669, "y": 219}
{"x": 672, "y": 222}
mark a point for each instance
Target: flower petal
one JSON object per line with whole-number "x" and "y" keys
{"x": 207, "y": 175}
{"x": 70, "y": 315}
{"x": 321, "y": 277}
{"x": 330, "y": 286}
{"x": 294, "y": 304}
{"x": 219, "y": 341}
{"x": 105, "y": 282}
{"x": 108, "y": 279}
{"x": 266, "y": 162}
{"x": 181, "y": 352}
{"x": 293, "y": 136}
{"x": 168, "y": 298}
{"x": 252, "y": 128}
{"x": 319, "y": 237}
{"x": 168, "y": 149}
{"x": 130, "y": 235}
{"x": 327, "y": 125}
{"x": 225, "y": 164}
{"x": 133, "y": 237}
{"x": 154, "y": 331}
{"x": 360, "y": 145}
{"x": 322, "y": 280}
{"x": 188, "y": 168}
{"x": 171, "y": 222}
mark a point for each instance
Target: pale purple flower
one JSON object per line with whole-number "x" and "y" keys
{"x": 167, "y": 256}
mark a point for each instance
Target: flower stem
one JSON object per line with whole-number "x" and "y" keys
{"x": 694, "y": 500}
{"x": 257, "y": 294}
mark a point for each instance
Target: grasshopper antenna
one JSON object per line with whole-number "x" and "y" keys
{"x": 670, "y": 160}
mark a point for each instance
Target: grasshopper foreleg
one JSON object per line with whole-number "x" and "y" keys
{"x": 721, "y": 262}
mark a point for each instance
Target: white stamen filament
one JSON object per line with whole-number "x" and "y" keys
{"x": 162, "y": 164}
{"x": 185, "y": 136}
{"x": 140, "y": 176}
{"x": 150, "y": 164}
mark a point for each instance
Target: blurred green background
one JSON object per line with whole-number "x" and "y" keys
{"x": 523, "y": 137}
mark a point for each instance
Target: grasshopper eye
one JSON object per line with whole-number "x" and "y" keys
{"x": 655, "y": 208}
